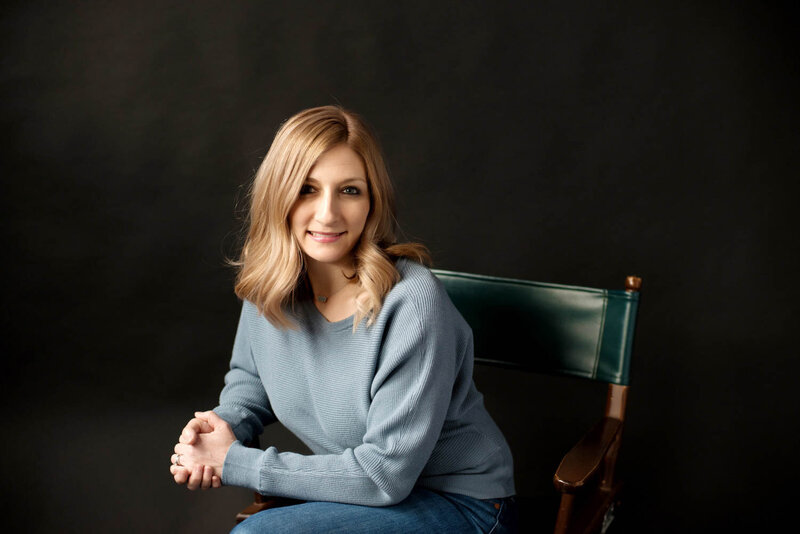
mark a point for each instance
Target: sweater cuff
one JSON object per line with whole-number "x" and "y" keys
{"x": 234, "y": 418}
{"x": 242, "y": 467}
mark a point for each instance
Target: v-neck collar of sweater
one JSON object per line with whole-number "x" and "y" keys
{"x": 319, "y": 321}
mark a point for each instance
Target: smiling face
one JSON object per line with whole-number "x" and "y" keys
{"x": 328, "y": 217}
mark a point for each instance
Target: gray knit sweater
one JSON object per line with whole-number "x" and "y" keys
{"x": 387, "y": 408}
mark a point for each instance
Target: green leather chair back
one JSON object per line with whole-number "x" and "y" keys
{"x": 547, "y": 328}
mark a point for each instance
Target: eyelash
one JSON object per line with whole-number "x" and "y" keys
{"x": 308, "y": 189}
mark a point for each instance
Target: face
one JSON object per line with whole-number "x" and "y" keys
{"x": 329, "y": 216}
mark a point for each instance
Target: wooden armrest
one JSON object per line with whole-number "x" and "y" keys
{"x": 581, "y": 463}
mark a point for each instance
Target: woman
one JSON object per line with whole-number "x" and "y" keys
{"x": 353, "y": 345}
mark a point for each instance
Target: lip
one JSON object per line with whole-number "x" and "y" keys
{"x": 325, "y": 237}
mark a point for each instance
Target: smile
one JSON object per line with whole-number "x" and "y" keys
{"x": 325, "y": 237}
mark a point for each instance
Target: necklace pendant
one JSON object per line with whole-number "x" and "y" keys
{"x": 322, "y": 299}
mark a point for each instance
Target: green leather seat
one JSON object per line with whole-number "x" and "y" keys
{"x": 561, "y": 330}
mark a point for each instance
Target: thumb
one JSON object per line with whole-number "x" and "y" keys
{"x": 187, "y": 436}
{"x": 211, "y": 417}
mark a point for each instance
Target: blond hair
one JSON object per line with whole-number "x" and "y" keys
{"x": 271, "y": 265}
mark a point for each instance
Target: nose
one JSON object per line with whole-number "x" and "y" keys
{"x": 327, "y": 209}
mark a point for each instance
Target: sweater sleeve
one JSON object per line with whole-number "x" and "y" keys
{"x": 243, "y": 402}
{"x": 410, "y": 397}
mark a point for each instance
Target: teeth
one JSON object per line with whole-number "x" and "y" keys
{"x": 317, "y": 234}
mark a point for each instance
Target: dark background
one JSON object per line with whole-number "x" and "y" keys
{"x": 567, "y": 142}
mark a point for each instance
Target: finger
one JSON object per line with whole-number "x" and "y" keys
{"x": 196, "y": 478}
{"x": 192, "y": 429}
{"x": 188, "y": 436}
{"x": 183, "y": 475}
{"x": 186, "y": 459}
{"x": 216, "y": 482}
{"x": 180, "y": 474}
{"x": 208, "y": 473}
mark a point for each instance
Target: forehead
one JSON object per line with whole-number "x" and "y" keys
{"x": 339, "y": 162}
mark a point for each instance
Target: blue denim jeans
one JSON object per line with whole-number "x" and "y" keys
{"x": 422, "y": 511}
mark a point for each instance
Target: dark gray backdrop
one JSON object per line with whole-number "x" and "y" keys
{"x": 569, "y": 142}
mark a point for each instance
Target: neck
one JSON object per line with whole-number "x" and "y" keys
{"x": 327, "y": 279}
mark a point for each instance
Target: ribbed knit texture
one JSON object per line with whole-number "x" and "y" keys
{"x": 383, "y": 409}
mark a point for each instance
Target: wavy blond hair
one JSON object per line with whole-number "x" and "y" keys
{"x": 271, "y": 271}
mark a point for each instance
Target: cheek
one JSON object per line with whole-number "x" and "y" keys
{"x": 298, "y": 216}
{"x": 364, "y": 212}
{"x": 296, "y": 227}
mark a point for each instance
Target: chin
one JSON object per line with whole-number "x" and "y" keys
{"x": 327, "y": 258}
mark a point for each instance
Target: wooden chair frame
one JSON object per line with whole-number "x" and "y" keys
{"x": 587, "y": 471}
{"x": 585, "y": 478}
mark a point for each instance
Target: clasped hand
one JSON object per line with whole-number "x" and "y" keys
{"x": 200, "y": 451}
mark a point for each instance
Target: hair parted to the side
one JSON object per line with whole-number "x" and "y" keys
{"x": 271, "y": 267}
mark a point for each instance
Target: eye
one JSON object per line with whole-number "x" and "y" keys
{"x": 306, "y": 189}
{"x": 351, "y": 190}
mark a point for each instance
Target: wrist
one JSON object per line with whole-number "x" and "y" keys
{"x": 242, "y": 467}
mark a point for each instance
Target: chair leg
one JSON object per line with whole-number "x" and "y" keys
{"x": 564, "y": 511}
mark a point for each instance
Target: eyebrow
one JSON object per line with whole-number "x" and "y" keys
{"x": 342, "y": 181}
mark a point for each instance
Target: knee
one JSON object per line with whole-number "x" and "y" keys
{"x": 273, "y": 520}
{"x": 245, "y": 527}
